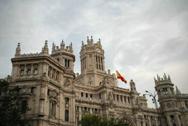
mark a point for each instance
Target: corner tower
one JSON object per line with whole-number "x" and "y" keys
{"x": 64, "y": 55}
{"x": 167, "y": 100}
{"x": 92, "y": 61}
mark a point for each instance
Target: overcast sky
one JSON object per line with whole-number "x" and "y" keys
{"x": 141, "y": 38}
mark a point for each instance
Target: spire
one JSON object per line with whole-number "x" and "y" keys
{"x": 45, "y": 48}
{"x": 18, "y": 50}
{"x": 178, "y": 92}
{"x": 82, "y": 43}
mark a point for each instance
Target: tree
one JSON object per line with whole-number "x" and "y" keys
{"x": 12, "y": 105}
{"x": 93, "y": 120}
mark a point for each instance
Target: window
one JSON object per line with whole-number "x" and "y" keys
{"x": 52, "y": 109}
{"x": 114, "y": 96}
{"x": 49, "y": 71}
{"x": 77, "y": 108}
{"x": 121, "y": 98}
{"x": 86, "y": 95}
{"x": 117, "y": 97}
{"x": 165, "y": 91}
{"x": 22, "y": 70}
{"x": 100, "y": 96}
{"x": 66, "y": 101}
{"x": 91, "y": 95}
{"x": 28, "y": 71}
{"x": 173, "y": 120}
{"x": 35, "y": 69}
{"x": 82, "y": 94}
{"x": 125, "y": 99}
{"x": 128, "y": 100}
{"x": 66, "y": 115}
{"x": 67, "y": 62}
{"x": 32, "y": 90}
{"x": 57, "y": 75}
{"x": 24, "y": 105}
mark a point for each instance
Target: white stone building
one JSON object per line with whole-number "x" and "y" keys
{"x": 58, "y": 97}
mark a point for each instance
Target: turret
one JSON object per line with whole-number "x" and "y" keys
{"x": 167, "y": 100}
{"x": 64, "y": 55}
{"x": 18, "y": 50}
{"x": 164, "y": 86}
{"x": 92, "y": 61}
{"x": 92, "y": 56}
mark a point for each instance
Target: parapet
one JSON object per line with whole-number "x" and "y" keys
{"x": 62, "y": 48}
{"x": 162, "y": 80}
{"x": 90, "y": 43}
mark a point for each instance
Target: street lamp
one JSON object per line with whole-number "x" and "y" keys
{"x": 153, "y": 96}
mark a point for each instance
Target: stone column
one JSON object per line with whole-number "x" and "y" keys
{"x": 149, "y": 120}
{"x": 156, "y": 120}
{"x": 178, "y": 123}
{"x": 169, "y": 121}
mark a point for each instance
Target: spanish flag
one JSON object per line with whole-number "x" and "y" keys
{"x": 119, "y": 76}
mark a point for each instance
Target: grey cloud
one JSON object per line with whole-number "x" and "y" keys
{"x": 140, "y": 38}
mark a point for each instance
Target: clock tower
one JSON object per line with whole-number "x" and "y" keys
{"x": 92, "y": 61}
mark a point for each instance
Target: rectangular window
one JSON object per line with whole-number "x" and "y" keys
{"x": 82, "y": 94}
{"x": 22, "y": 67}
{"x": 100, "y": 96}
{"x": 35, "y": 69}
{"x": 66, "y": 115}
{"x": 128, "y": 100}
{"x": 117, "y": 97}
{"x": 28, "y": 71}
{"x": 91, "y": 95}
{"x": 52, "y": 108}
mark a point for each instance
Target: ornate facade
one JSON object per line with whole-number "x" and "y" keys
{"x": 59, "y": 97}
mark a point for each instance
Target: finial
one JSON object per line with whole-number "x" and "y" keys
{"x": 91, "y": 38}
{"x": 165, "y": 78}
{"x": 87, "y": 38}
{"x": 45, "y": 49}
{"x": 53, "y": 47}
{"x": 62, "y": 45}
{"x": 155, "y": 79}
{"x": 70, "y": 47}
{"x": 18, "y": 50}
{"x": 82, "y": 43}
{"x": 178, "y": 91}
{"x": 158, "y": 78}
{"x": 169, "y": 78}
{"x": 46, "y": 42}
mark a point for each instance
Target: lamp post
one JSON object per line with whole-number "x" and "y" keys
{"x": 153, "y": 96}
{"x": 154, "y": 100}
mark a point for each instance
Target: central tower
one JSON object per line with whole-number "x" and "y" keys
{"x": 92, "y": 62}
